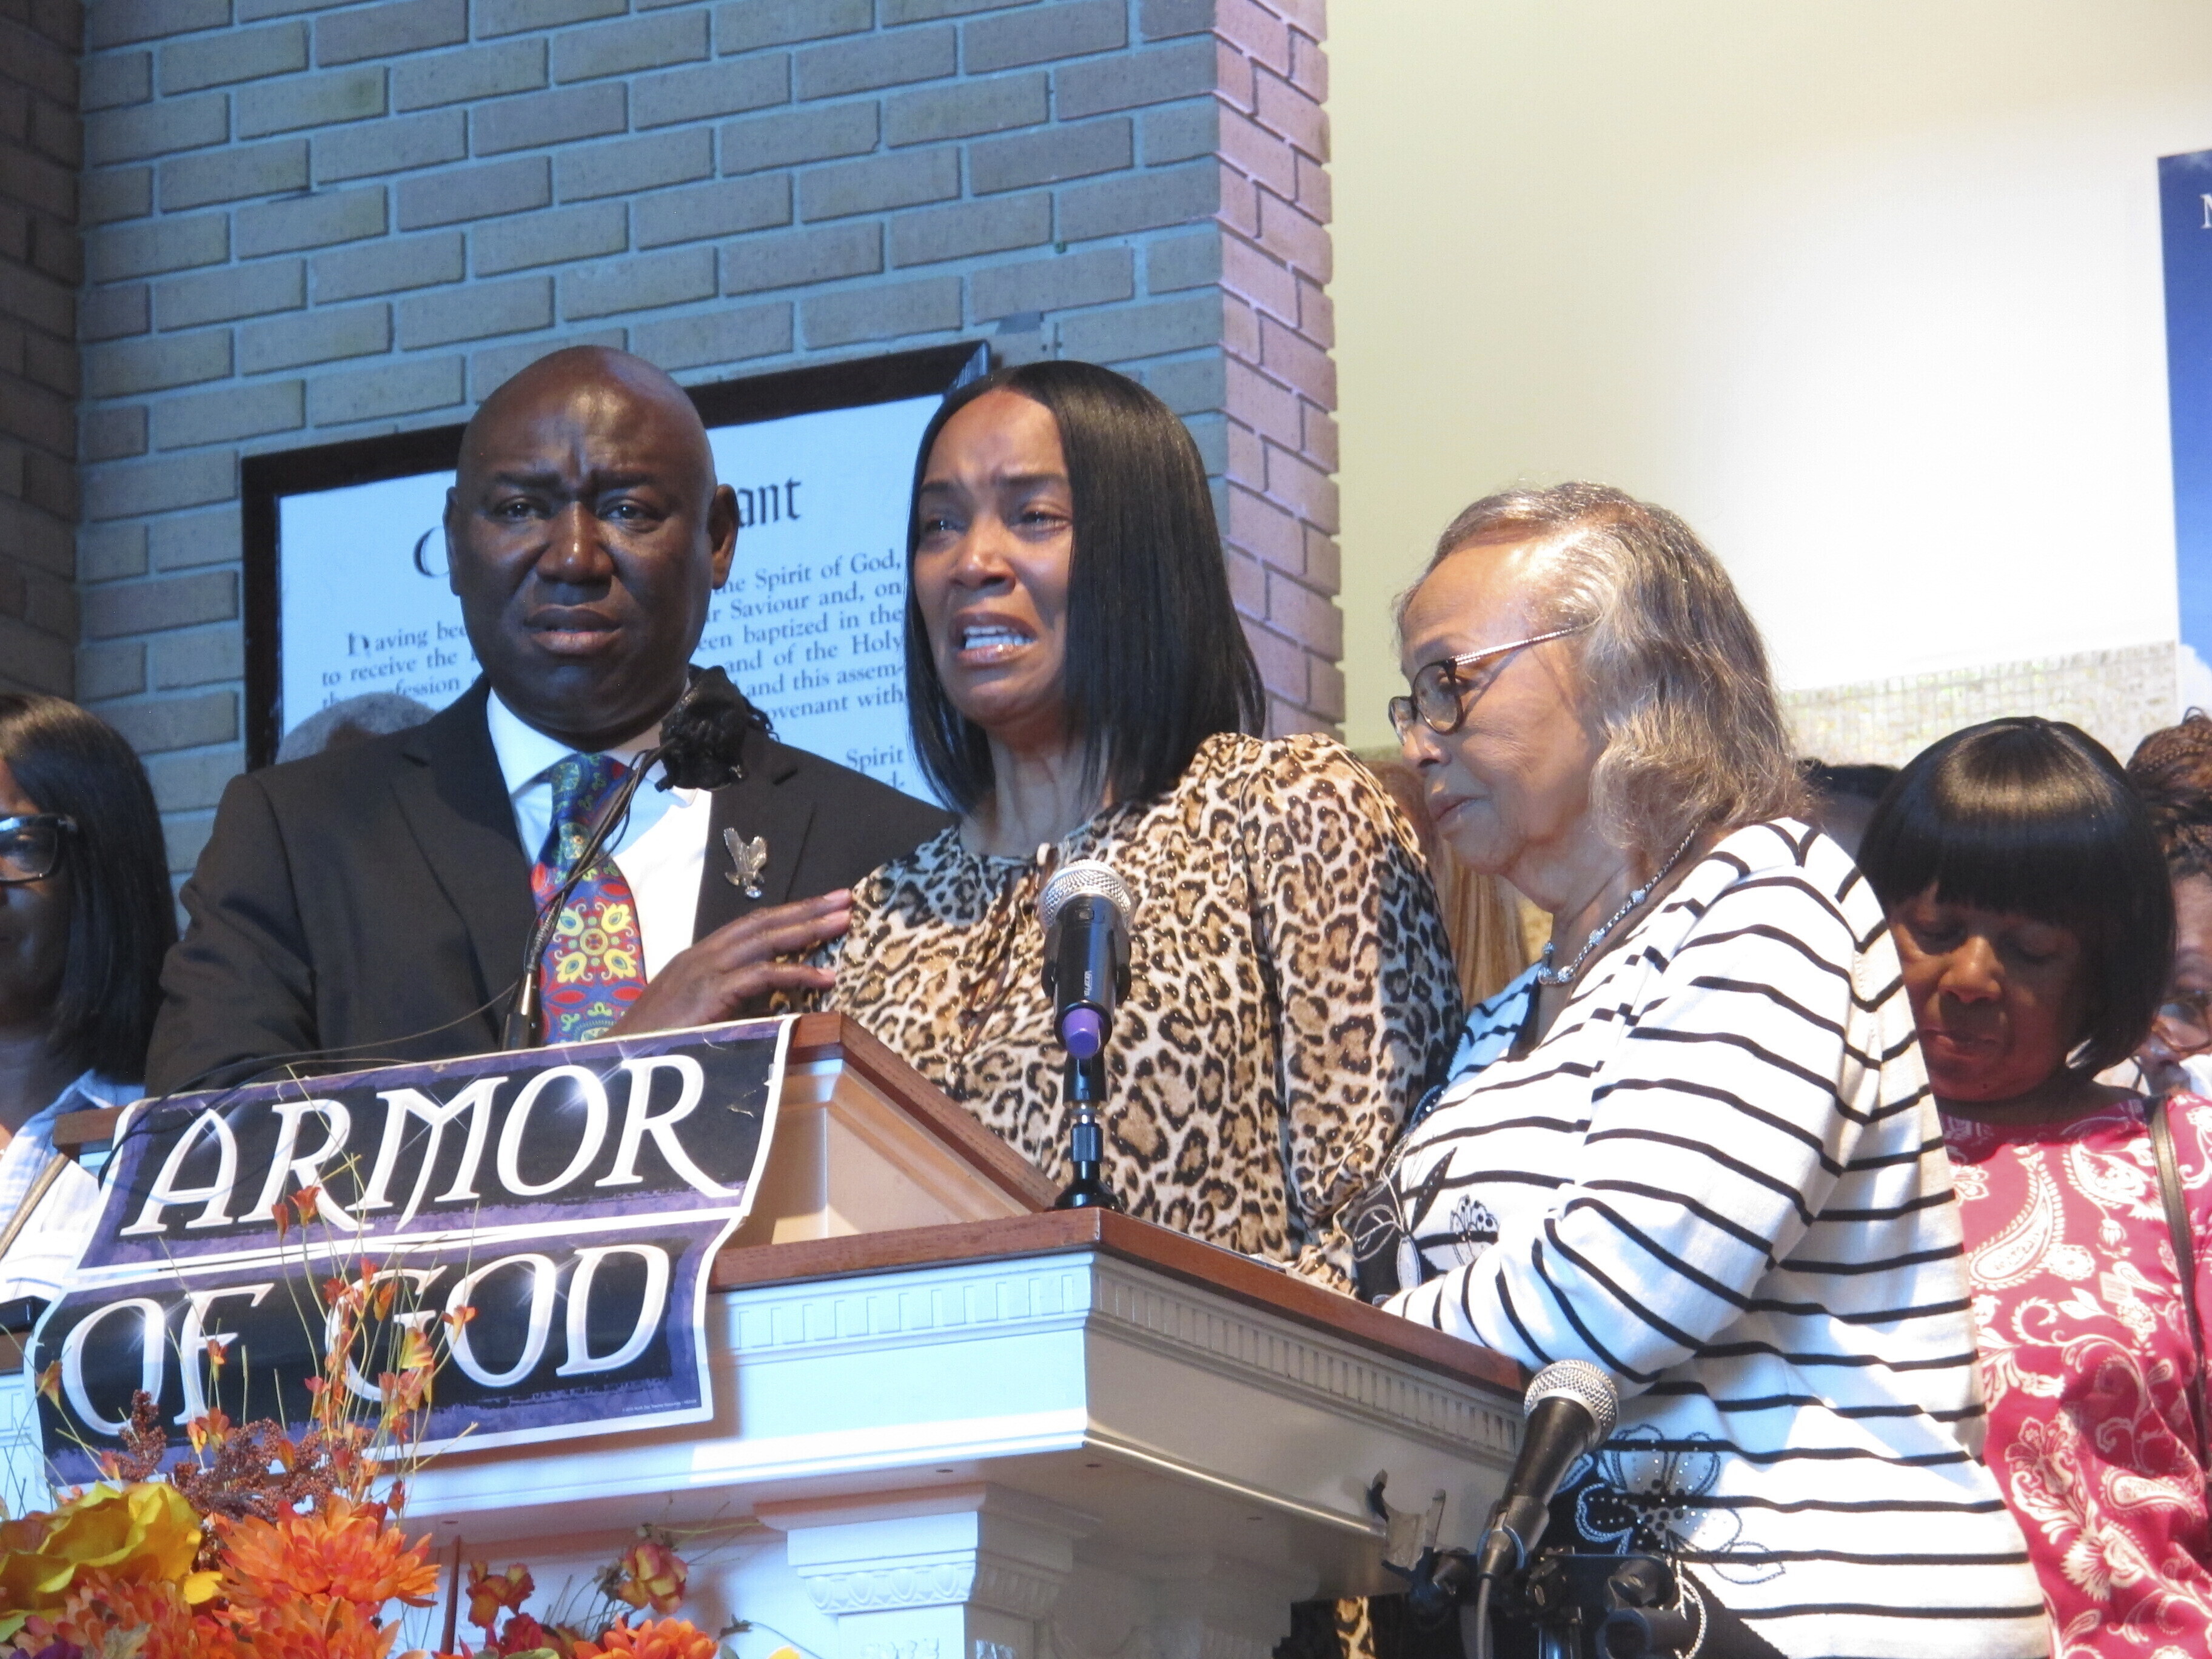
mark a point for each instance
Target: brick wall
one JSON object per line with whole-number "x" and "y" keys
{"x": 312, "y": 219}
{"x": 39, "y": 272}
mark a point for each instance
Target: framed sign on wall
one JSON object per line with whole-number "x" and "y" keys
{"x": 346, "y": 591}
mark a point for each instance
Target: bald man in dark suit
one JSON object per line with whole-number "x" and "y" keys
{"x": 373, "y": 904}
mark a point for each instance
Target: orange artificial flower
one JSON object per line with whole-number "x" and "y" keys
{"x": 653, "y": 1575}
{"x": 344, "y": 1551}
{"x": 491, "y": 1592}
{"x": 658, "y": 1638}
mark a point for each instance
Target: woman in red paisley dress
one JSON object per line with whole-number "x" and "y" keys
{"x": 2030, "y": 902}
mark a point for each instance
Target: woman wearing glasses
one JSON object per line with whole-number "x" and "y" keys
{"x": 1693, "y": 1144}
{"x": 2032, "y": 909}
{"x": 1081, "y": 688}
{"x": 85, "y": 916}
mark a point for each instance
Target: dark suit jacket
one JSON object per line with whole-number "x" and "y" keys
{"x": 375, "y": 899}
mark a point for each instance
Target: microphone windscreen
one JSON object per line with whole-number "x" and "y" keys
{"x": 702, "y": 738}
{"x": 1082, "y": 877}
{"x": 1578, "y": 1380}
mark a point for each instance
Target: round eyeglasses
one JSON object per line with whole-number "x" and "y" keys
{"x": 2182, "y": 1023}
{"x": 31, "y": 846}
{"x": 1440, "y": 697}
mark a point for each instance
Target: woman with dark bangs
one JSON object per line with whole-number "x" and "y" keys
{"x": 85, "y": 918}
{"x": 2034, "y": 919}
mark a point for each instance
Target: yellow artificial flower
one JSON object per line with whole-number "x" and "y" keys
{"x": 143, "y": 1532}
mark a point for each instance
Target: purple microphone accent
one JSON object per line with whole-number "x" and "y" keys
{"x": 1082, "y": 1032}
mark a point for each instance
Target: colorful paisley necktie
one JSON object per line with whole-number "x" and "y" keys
{"x": 594, "y": 965}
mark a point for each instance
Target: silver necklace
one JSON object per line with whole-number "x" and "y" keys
{"x": 1547, "y": 975}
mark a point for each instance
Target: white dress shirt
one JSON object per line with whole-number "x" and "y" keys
{"x": 661, "y": 852}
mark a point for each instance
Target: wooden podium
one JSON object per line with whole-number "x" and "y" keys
{"x": 953, "y": 1424}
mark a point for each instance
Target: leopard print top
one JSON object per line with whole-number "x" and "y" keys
{"x": 1291, "y": 994}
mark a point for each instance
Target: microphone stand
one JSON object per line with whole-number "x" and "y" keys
{"x": 1084, "y": 1085}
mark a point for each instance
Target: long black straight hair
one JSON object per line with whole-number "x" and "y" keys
{"x": 1156, "y": 658}
{"x": 122, "y": 918}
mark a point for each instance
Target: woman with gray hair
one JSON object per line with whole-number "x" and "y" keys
{"x": 1693, "y": 1145}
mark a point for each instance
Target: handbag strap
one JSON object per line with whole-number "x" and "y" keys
{"x": 2184, "y": 1255}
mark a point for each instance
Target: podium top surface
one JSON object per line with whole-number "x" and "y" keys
{"x": 1065, "y": 1232}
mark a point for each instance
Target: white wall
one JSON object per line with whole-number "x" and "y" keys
{"x": 1869, "y": 290}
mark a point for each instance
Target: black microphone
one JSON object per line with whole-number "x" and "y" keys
{"x": 1085, "y": 910}
{"x": 1572, "y": 1407}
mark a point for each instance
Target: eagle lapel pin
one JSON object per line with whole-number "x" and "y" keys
{"x": 748, "y": 859}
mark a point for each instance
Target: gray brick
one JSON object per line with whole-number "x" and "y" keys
{"x": 749, "y": 25}
{"x": 162, "y": 245}
{"x": 1096, "y": 277}
{"x": 165, "y": 602}
{"x": 225, "y": 417}
{"x": 228, "y": 175}
{"x": 646, "y": 282}
{"x": 1049, "y": 157}
{"x": 726, "y": 336}
{"x": 110, "y": 670}
{"x": 310, "y": 100}
{"x": 389, "y": 31}
{"x": 489, "y": 370}
{"x": 513, "y": 16}
{"x": 1114, "y": 337}
{"x": 1182, "y": 132}
{"x": 924, "y": 11}
{"x": 845, "y": 188}
{"x": 109, "y": 434}
{"x": 162, "y": 129}
{"x": 190, "y": 540}
{"x": 137, "y": 487}
{"x": 458, "y": 78}
{"x": 27, "y": 297}
{"x": 478, "y": 193}
{"x": 476, "y": 311}
{"x": 252, "y": 11}
{"x": 413, "y": 141}
{"x": 343, "y": 216}
{"x": 109, "y": 313}
{"x": 551, "y": 239}
{"x": 117, "y": 22}
{"x": 728, "y": 209}
{"x": 119, "y": 371}
{"x": 117, "y": 193}
{"x": 812, "y": 135}
{"x": 933, "y": 113}
{"x": 1163, "y": 18}
{"x": 643, "y": 43}
{"x": 698, "y": 94}
{"x": 116, "y": 79}
{"x": 970, "y": 228}
{"x": 107, "y": 552}
{"x": 801, "y": 256}
{"x": 387, "y": 266}
{"x": 626, "y": 167}
{"x": 1182, "y": 262}
{"x": 548, "y": 118}
{"x": 317, "y": 336}
{"x": 885, "y": 312}
{"x": 236, "y": 291}
{"x": 218, "y": 60}
{"x": 1156, "y": 75}
{"x": 1145, "y": 201}
{"x": 881, "y": 60}
{"x": 200, "y": 658}
{"x": 186, "y": 783}
{"x": 368, "y": 394}
{"x": 1037, "y": 35}
{"x": 193, "y": 722}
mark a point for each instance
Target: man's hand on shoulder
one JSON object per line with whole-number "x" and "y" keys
{"x": 734, "y": 966}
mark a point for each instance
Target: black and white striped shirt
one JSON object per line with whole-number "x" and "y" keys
{"x": 1721, "y": 1176}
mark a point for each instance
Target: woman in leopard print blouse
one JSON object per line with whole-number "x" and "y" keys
{"x": 1080, "y": 687}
